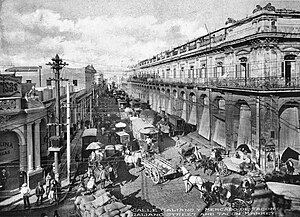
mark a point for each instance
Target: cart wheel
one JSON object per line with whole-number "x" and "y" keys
{"x": 222, "y": 169}
{"x": 155, "y": 176}
{"x": 147, "y": 173}
{"x": 240, "y": 207}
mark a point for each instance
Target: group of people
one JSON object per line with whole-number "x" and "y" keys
{"x": 51, "y": 191}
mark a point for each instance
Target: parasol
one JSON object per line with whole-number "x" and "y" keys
{"x": 120, "y": 125}
{"x": 289, "y": 153}
{"x": 94, "y": 146}
{"x": 243, "y": 147}
{"x": 127, "y": 109}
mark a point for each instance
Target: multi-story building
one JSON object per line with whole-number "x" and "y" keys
{"x": 27, "y": 109}
{"x": 237, "y": 85}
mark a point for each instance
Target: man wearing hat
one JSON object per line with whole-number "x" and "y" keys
{"x": 25, "y": 191}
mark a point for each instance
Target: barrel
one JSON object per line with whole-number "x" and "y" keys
{"x": 110, "y": 150}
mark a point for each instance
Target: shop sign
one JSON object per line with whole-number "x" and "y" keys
{"x": 10, "y": 86}
{"x": 9, "y": 147}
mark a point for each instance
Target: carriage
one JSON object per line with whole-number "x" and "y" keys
{"x": 234, "y": 191}
{"x": 236, "y": 163}
{"x": 158, "y": 169}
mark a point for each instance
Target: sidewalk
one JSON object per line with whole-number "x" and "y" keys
{"x": 16, "y": 202}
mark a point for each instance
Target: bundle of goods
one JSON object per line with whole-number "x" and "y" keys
{"x": 101, "y": 204}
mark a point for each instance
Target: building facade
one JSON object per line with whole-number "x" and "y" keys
{"x": 238, "y": 85}
{"x": 27, "y": 117}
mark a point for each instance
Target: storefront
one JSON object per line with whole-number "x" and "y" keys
{"x": 9, "y": 161}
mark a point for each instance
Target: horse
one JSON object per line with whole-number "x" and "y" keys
{"x": 191, "y": 181}
{"x": 133, "y": 158}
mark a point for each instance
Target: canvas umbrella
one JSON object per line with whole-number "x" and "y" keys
{"x": 243, "y": 147}
{"x": 94, "y": 146}
{"x": 289, "y": 153}
{"x": 120, "y": 125}
{"x": 127, "y": 109}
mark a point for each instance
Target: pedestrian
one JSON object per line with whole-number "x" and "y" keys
{"x": 48, "y": 179}
{"x": 39, "y": 192}
{"x": 111, "y": 174}
{"x": 102, "y": 130}
{"x": 4, "y": 175}
{"x": 77, "y": 160}
{"x": 25, "y": 191}
{"x": 53, "y": 191}
{"x": 91, "y": 185}
{"x": 56, "y": 214}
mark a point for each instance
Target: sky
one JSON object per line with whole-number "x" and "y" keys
{"x": 109, "y": 34}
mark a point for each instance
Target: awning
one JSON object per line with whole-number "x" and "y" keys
{"x": 219, "y": 134}
{"x": 162, "y": 103}
{"x": 204, "y": 127}
{"x": 184, "y": 110}
{"x": 169, "y": 105}
{"x": 193, "y": 115}
{"x": 122, "y": 133}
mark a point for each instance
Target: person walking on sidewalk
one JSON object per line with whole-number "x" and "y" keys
{"x": 25, "y": 191}
{"x": 39, "y": 192}
{"x": 53, "y": 191}
{"x": 48, "y": 179}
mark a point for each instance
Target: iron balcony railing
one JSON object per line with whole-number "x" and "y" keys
{"x": 260, "y": 83}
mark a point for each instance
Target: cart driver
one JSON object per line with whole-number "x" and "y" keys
{"x": 217, "y": 183}
{"x": 148, "y": 142}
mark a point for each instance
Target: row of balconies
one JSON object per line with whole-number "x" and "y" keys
{"x": 221, "y": 36}
{"x": 258, "y": 83}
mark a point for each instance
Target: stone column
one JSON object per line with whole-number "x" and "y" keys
{"x": 37, "y": 145}
{"x": 23, "y": 150}
{"x": 29, "y": 148}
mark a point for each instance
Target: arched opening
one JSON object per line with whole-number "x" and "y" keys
{"x": 9, "y": 160}
{"x": 204, "y": 126}
{"x": 218, "y": 121}
{"x": 242, "y": 124}
{"x": 168, "y": 102}
{"x": 289, "y": 133}
{"x": 183, "y": 106}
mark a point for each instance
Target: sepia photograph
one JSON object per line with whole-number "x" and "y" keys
{"x": 146, "y": 108}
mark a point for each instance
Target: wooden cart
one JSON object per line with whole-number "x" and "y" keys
{"x": 158, "y": 169}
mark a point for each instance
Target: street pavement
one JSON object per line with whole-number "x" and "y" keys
{"x": 148, "y": 199}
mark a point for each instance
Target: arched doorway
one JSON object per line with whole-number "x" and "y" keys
{"x": 9, "y": 160}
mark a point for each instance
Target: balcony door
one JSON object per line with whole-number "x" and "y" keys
{"x": 288, "y": 68}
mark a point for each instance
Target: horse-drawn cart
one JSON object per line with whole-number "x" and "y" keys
{"x": 158, "y": 169}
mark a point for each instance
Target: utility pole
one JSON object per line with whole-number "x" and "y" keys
{"x": 57, "y": 64}
{"x": 68, "y": 135}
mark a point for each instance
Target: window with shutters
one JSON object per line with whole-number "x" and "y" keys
{"x": 174, "y": 73}
{"x": 75, "y": 82}
{"x": 192, "y": 72}
{"x": 203, "y": 71}
{"x": 168, "y": 73}
{"x": 181, "y": 72}
{"x": 289, "y": 68}
{"x": 243, "y": 68}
